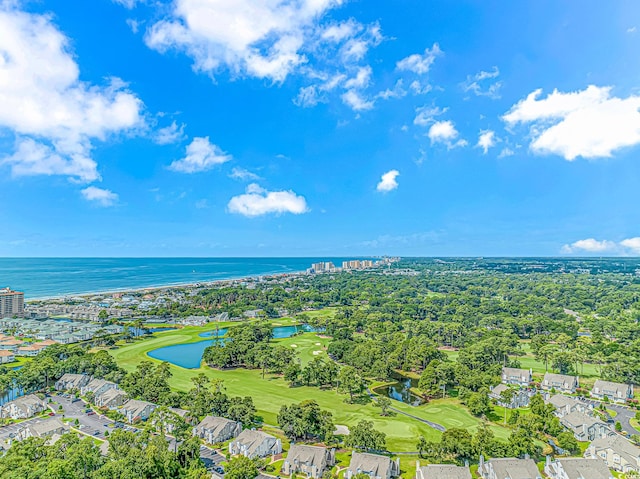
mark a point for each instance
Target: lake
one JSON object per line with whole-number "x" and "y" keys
{"x": 400, "y": 390}
{"x": 189, "y": 356}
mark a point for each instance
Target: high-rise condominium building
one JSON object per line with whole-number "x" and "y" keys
{"x": 11, "y": 303}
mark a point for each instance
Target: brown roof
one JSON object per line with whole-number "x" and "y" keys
{"x": 5, "y": 354}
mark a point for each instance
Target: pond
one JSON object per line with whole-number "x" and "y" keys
{"x": 189, "y": 356}
{"x": 400, "y": 390}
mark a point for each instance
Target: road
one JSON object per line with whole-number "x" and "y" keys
{"x": 623, "y": 414}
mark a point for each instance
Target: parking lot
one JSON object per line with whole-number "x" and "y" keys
{"x": 93, "y": 424}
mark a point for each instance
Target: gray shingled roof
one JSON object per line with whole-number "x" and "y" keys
{"x": 372, "y": 464}
{"x": 515, "y": 468}
{"x": 579, "y": 468}
{"x": 445, "y": 471}
{"x": 253, "y": 439}
{"x": 310, "y": 455}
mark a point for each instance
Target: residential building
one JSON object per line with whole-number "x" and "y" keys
{"x": 508, "y": 468}
{"x": 566, "y": 405}
{"x": 111, "y": 398}
{"x": 519, "y": 377}
{"x": 45, "y": 428}
{"x": 11, "y": 303}
{"x": 616, "y": 392}
{"x": 309, "y": 460}
{"x": 215, "y": 429}
{"x": 97, "y": 387}
{"x": 373, "y": 465}
{"x": 560, "y": 382}
{"x": 70, "y": 381}
{"x": 617, "y": 452}
{"x": 442, "y": 471}
{"x": 31, "y": 350}
{"x": 253, "y": 444}
{"x": 576, "y": 468}
{"x": 135, "y": 410}
{"x": 585, "y": 428}
{"x": 520, "y": 397}
{"x": 11, "y": 344}
{"x": 6, "y": 356}
{"x": 23, "y": 407}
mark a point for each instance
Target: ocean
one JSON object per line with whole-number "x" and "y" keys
{"x": 51, "y": 277}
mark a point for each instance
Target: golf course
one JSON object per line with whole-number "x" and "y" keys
{"x": 270, "y": 393}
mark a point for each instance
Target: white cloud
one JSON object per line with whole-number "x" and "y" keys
{"x": 632, "y": 244}
{"x": 100, "y": 196}
{"x": 425, "y": 115}
{"x": 361, "y": 80}
{"x": 480, "y": 84}
{"x": 588, "y": 123}
{"x": 261, "y": 39}
{"x": 201, "y": 156}
{"x": 307, "y": 97}
{"x": 420, "y": 63}
{"x": 631, "y": 30}
{"x": 397, "y": 91}
{"x": 418, "y": 88}
{"x": 126, "y": 3}
{"x": 506, "y": 151}
{"x": 388, "y": 181}
{"x": 169, "y": 134}
{"x": 445, "y": 132}
{"x": 54, "y": 116}
{"x": 242, "y": 174}
{"x": 486, "y": 140}
{"x": 257, "y": 201}
{"x": 341, "y": 31}
{"x": 356, "y": 101}
{"x": 629, "y": 246}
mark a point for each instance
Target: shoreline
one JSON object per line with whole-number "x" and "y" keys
{"x": 206, "y": 283}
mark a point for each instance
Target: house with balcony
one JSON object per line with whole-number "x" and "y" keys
{"x": 560, "y": 383}
{"x": 373, "y": 465}
{"x": 617, "y": 452}
{"x": 585, "y": 428}
{"x": 311, "y": 461}
{"x": 616, "y": 392}
{"x": 215, "y": 429}
{"x": 252, "y": 444}
{"x": 518, "y": 377}
{"x": 576, "y": 468}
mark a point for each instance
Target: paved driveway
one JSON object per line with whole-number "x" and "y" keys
{"x": 623, "y": 414}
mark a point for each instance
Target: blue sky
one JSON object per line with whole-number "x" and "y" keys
{"x": 319, "y": 127}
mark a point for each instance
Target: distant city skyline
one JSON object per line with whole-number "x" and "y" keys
{"x": 319, "y": 128}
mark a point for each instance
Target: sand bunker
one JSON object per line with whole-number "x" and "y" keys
{"x": 315, "y": 353}
{"x": 294, "y": 345}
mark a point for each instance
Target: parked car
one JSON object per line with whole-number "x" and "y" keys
{"x": 91, "y": 413}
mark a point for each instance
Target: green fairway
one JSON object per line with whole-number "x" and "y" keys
{"x": 271, "y": 393}
{"x": 528, "y": 361}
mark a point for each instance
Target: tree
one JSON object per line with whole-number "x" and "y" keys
{"x": 305, "y": 420}
{"x": 568, "y": 442}
{"x": 241, "y": 467}
{"x": 618, "y": 426}
{"x": 200, "y": 382}
{"x": 384, "y": 403}
{"x": 506, "y": 397}
{"x": 103, "y": 315}
{"x": 350, "y": 381}
{"x": 478, "y": 403}
{"x": 364, "y": 437}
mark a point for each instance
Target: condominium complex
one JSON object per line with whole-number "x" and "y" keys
{"x": 11, "y": 303}
{"x": 357, "y": 264}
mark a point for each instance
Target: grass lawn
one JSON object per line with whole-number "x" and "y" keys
{"x": 528, "y": 361}
{"x": 20, "y": 361}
